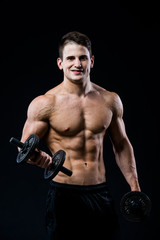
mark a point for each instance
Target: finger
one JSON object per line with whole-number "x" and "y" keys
{"x": 47, "y": 162}
{"x": 35, "y": 158}
{"x": 43, "y": 160}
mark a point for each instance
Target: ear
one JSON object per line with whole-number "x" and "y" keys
{"x": 92, "y": 61}
{"x": 59, "y": 63}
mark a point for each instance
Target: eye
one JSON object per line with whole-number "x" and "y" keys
{"x": 70, "y": 58}
{"x": 83, "y": 58}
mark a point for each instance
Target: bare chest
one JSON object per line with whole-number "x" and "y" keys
{"x": 72, "y": 116}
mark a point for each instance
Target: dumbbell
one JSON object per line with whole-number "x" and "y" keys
{"x": 135, "y": 206}
{"x": 28, "y": 148}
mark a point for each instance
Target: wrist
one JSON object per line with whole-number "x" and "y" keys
{"x": 135, "y": 187}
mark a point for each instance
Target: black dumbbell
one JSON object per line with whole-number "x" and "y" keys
{"x": 135, "y": 206}
{"x": 28, "y": 148}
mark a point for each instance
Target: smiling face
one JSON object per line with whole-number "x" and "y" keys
{"x": 76, "y": 63}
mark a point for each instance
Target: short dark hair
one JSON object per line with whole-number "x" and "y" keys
{"x": 76, "y": 37}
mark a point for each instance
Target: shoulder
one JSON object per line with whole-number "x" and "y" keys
{"x": 41, "y": 107}
{"x": 116, "y": 104}
{"x": 41, "y": 101}
{"x": 111, "y": 99}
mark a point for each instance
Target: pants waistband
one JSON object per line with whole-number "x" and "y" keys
{"x": 79, "y": 188}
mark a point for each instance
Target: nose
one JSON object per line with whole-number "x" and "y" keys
{"x": 77, "y": 63}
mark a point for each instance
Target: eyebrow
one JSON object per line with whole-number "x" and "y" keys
{"x": 68, "y": 57}
{"x": 81, "y": 56}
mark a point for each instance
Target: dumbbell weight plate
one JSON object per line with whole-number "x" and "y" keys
{"x": 57, "y": 162}
{"x": 28, "y": 148}
{"x": 135, "y": 206}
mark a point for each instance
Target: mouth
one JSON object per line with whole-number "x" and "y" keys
{"x": 77, "y": 71}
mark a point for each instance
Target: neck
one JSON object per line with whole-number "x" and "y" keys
{"x": 77, "y": 88}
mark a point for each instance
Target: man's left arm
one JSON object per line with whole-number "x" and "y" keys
{"x": 122, "y": 147}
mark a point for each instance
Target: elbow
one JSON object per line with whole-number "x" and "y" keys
{"x": 123, "y": 146}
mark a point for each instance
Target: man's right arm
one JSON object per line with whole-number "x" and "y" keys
{"x": 37, "y": 123}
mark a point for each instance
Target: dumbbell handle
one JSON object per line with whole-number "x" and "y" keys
{"x": 66, "y": 171}
{"x": 16, "y": 142}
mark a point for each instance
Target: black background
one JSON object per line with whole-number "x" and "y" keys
{"x": 125, "y": 38}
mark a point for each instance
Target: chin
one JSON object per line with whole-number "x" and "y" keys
{"x": 77, "y": 81}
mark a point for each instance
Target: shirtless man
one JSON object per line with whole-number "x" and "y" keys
{"x": 75, "y": 116}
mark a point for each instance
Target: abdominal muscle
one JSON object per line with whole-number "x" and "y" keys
{"x": 84, "y": 157}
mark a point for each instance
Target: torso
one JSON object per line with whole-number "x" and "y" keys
{"x": 78, "y": 125}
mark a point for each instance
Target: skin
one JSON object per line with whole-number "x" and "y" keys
{"x": 75, "y": 116}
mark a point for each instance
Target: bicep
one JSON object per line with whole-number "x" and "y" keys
{"x": 34, "y": 127}
{"x": 37, "y": 120}
{"x": 118, "y": 136}
{"x": 117, "y": 130}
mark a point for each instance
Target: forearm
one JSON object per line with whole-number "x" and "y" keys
{"x": 38, "y": 157}
{"x": 126, "y": 161}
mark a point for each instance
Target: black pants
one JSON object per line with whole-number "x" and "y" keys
{"x": 75, "y": 212}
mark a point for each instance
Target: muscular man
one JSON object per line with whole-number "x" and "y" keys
{"x": 75, "y": 116}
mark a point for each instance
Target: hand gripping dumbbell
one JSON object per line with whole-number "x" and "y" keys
{"x": 28, "y": 148}
{"x": 135, "y": 206}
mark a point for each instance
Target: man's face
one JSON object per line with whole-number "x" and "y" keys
{"x": 76, "y": 62}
